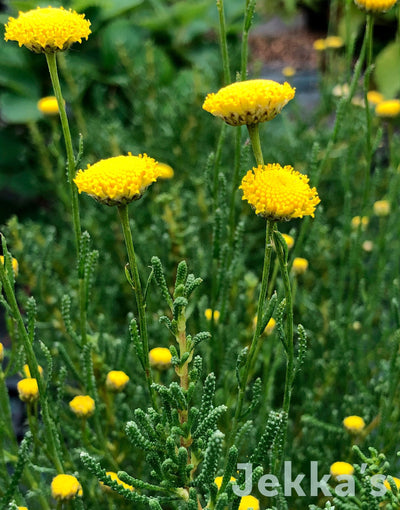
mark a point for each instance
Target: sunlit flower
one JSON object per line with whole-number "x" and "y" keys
{"x": 48, "y": 105}
{"x": 116, "y": 380}
{"x": 165, "y": 171}
{"x": 288, "y": 71}
{"x": 279, "y": 193}
{"x": 249, "y": 102}
{"x": 341, "y": 468}
{"x": 319, "y": 45}
{"x": 354, "y": 423}
{"x": 64, "y": 487}
{"x": 249, "y": 503}
{"x": 47, "y": 30}
{"x": 208, "y": 313}
{"x": 115, "y": 478}
{"x": 375, "y": 5}
{"x": 28, "y": 390}
{"x": 381, "y": 208}
{"x": 334, "y": 41}
{"x": 388, "y": 109}
{"x": 82, "y": 405}
{"x": 160, "y": 357}
{"x": 396, "y": 481}
{"x": 375, "y": 97}
{"x": 289, "y": 241}
{"x": 355, "y": 222}
{"x": 118, "y": 180}
{"x": 14, "y": 263}
{"x": 27, "y": 372}
{"x": 300, "y": 265}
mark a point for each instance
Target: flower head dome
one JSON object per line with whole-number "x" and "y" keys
{"x": 114, "y": 477}
{"x": 375, "y": 5}
{"x": 48, "y": 105}
{"x": 47, "y": 30}
{"x": 279, "y": 193}
{"x": 82, "y": 405}
{"x": 160, "y": 357}
{"x": 354, "y": 424}
{"x": 116, "y": 380}
{"x": 388, "y": 109}
{"x": 341, "y": 468}
{"x": 64, "y": 487}
{"x": 28, "y": 390}
{"x": 118, "y": 180}
{"x": 249, "y": 102}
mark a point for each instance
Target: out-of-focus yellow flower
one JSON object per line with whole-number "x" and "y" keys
{"x": 319, "y": 45}
{"x": 249, "y": 102}
{"x": 368, "y": 245}
{"x": 375, "y": 97}
{"x": 382, "y": 208}
{"x": 218, "y": 481}
{"x": 115, "y": 478}
{"x": 160, "y": 357}
{"x": 27, "y": 372}
{"x": 375, "y": 5}
{"x": 388, "y": 109}
{"x": 288, "y": 71}
{"x": 341, "y": 468}
{"x": 249, "y": 503}
{"x": 64, "y": 487}
{"x": 82, "y": 405}
{"x": 118, "y": 180}
{"x": 334, "y": 41}
{"x": 47, "y": 30}
{"x": 48, "y": 105}
{"x": 356, "y": 325}
{"x": 341, "y": 90}
{"x": 208, "y": 313}
{"x": 165, "y": 171}
{"x": 354, "y": 423}
{"x": 14, "y": 263}
{"x": 300, "y": 265}
{"x": 355, "y": 222}
{"x": 22, "y": 508}
{"x": 116, "y": 380}
{"x": 279, "y": 193}
{"x": 28, "y": 390}
{"x": 289, "y": 241}
{"x": 1, "y": 352}
{"x": 396, "y": 481}
{"x": 269, "y": 328}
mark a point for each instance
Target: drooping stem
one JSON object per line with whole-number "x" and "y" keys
{"x": 141, "y": 306}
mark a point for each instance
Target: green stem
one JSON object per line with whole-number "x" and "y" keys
{"x": 34, "y": 370}
{"x": 254, "y": 134}
{"x": 133, "y": 270}
{"x": 249, "y": 11}
{"x": 223, "y": 41}
{"x": 52, "y": 65}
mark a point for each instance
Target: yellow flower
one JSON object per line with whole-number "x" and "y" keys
{"x": 375, "y": 97}
{"x": 47, "y": 30}
{"x": 118, "y": 180}
{"x": 288, "y": 71}
{"x": 299, "y": 265}
{"x": 355, "y": 222}
{"x": 160, "y": 357}
{"x": 249, "y": 102}
{"x": 248, "y": 503}
{"x": 65, "y": 487}
{"x": 279, "y": 193}
{"x": 334, "y": 41}
{"x": 389, "y": 108}
{"x": 116, "y": 380}
{"x": 1, "y": 352}
{"x": 27, "y": 372}
{"x": 368, "y": 245}
{"x": 356, "y": 325}
{"x": 396, "y": 481}
{"x": 209, "y": 314}
{"x": 115, "y": 478}
{"x": 165, "y": 171}
{"x": 218, "y": 481}
{"x": 381, "y": 207}
{"x": 341, "y": 468}
{"x": 319, "y": 45}
{"x": 354, "y": 423}
{"x": 28, "y": 390}
{"x": 82, "y": 405}
{"x": 375, "y": 5}
{"x": 14, "y": 263}
{"x": 48, "y": 105}
{"x": 341, "y": 90}
{"x": 289, "y": 241}
{"x": 22, "y": 508}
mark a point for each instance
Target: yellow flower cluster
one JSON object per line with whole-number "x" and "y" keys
{"x": 375, "y": 5}
{"x": 28, "y": 390}
{"x": 27, "y": 372}
{"x": 247, "y": 502}
{"x": 249, "y": 102}
{"x": 354, "y": 423}
{"x": 14, "y": 263}
{"x": 48, "y": 105}
{"x": 279, "y": 193}
{"x": 160, "y": 357}
{"x": 208, "y": 314}
{"x": 115, "y": 478}
{"x": 47, "y": 30}
{"x": 332, "y": 41}
{"x": 116, "y": 380}
{"x": 82, "y": 405}
{"x": 388, "y": 109}
{"x": 118, "y": 180}
{"x": 64, "y": 487}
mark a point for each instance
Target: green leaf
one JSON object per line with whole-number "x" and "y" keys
{"x": 19, "y": 110}
{"x": 387, "y": 70}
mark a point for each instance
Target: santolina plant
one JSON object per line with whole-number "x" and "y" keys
{"x": 195, "y": 393}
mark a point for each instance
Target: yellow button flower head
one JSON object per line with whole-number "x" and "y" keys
{"x": 47, "y": 30}
{"x": 115, "y": 478}
{"x": 249, "y": 503}
{"x": 208, "y": 313}
{"x": 375, "y": 5}
{"x": 218, "y": 481}
{"x": 341, "y": 468}
{"x": 160, "y": 357}
{"x": 22, "y": 508}
{"x": 165, "y": 171}
{"x": 64, "y": 487}
{"x": 288, "y": 71}
{"x": 382, "y": 208}
{"x": 388, "y": 109}
{"x": 355, "y": 222}
{"x": 116, "y": 380}
{"x": 396, "y": 481}
{"x": 279, "y": 193}
{"x": 118, "y": 180}
{"x": 334, "y": 41}
{"x": 48, "y": 105}
{"x": 1, "y": 352}
{"x": 289, "y": 241}
{"x": 375, "y": 97}
{"x": 28, "y": 390}
{"x": 354, "y": 423}
{"x": 14, "y": 263}
{"x": 300, "y": 265}
{"x": 27, "y": 372}
{"x": 82, "y": 405}
{"x": 249, "y": 102}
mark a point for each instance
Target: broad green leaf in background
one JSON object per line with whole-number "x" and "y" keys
{"x": 387, "y": 70}
{"x": 18, "y": 110}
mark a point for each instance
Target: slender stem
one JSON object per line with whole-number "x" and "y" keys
{"x": 248, "y": 17}
{"x": 254, "y": 134}
{"x": 223, "y": 42}
{"x": 141, "y": 306}
{"x": 52, "y": 65}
